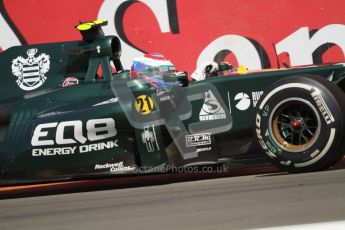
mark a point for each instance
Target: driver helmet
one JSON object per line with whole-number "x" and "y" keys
{"x": 152, "y": 67}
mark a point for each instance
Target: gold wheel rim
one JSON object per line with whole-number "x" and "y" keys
{"x": 277, "y": 130}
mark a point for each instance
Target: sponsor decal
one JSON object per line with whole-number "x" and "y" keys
{"x": 110, "y": 101}
{"x": 50, "y": 114}
{"x": 74, "y": 150}
{"x": 30, "y": 71}
{"x": 243, "y": 101}
{"x": 149, "y": 138}
{"x": 211, "y": 109}
{"x": 321, "y": 104}
{"x": 96, "y": 129}
{"x": 114, "y": 167}
{"x": 167, "y": 98}
{"x": 198, "y": 139}
{"x": 144, "y": 104}
{"x": 204, "y": 149}
{"x": 256, "y": 97}
{"x": 70, "y": 81}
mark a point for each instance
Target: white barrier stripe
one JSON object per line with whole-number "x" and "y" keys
{"x": 315, "y": 226}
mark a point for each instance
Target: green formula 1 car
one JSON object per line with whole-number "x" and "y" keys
{"x": 61, "y": 117}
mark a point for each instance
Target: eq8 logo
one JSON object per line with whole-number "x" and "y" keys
{"x": 97, "y": 129}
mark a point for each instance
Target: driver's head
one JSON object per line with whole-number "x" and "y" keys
{"x": 151, "y": 64}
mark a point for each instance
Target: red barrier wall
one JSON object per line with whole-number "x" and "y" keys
{"x": 190, "y": 32}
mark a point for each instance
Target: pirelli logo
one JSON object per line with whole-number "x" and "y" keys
{"x": 321, "y": 104}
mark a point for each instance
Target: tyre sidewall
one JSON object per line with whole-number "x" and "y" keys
{"x": 321, "y": 100}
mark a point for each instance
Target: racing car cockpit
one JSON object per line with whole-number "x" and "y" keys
{"x": 158, "y": 71}
{"x": 106, "y": 50}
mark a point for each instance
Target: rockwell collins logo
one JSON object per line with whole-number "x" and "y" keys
{"x": 211, "y": 110}
{"x": 30, "y": 71}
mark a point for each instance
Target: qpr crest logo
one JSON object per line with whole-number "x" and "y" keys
{"x": 31, "y": 71}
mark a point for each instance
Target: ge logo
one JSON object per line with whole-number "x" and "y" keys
{"x": 144, "y": 104}
{"x": 243, "y": 101}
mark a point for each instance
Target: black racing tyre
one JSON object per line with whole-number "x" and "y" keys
{"x": 299, "y": 123}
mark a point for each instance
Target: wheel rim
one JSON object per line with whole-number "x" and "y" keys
{"x": 294, "y": 125}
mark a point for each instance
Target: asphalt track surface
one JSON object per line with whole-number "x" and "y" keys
{"x": 231, "y": 202}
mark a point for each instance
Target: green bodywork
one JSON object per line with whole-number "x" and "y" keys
{"x": 22, "y": 111}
